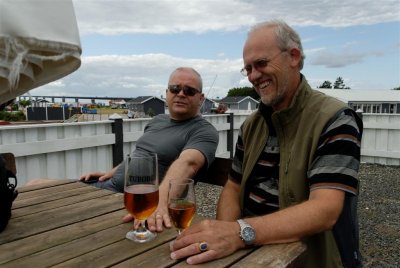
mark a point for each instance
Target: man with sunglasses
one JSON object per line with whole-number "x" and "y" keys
{"x": 184, "y": 141}
{"x": 294, "y": 173}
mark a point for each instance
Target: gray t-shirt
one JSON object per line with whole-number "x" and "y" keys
{"x": 168, "y": 138}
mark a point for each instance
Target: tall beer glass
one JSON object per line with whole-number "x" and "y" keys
{"x": 141, "y": 193}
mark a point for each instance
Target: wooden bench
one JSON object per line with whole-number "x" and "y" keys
{"x": 217, "y": 173}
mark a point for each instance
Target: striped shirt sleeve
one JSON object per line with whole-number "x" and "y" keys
{"x": 337, "y": 158}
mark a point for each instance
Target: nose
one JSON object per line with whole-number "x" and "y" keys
{"x": 180, "y": 93}
{"x": 254, "y": 75}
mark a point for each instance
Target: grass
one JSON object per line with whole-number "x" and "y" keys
{"x": 108, "y": 110}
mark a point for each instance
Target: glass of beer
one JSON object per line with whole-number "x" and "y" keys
{"x": 181, "y": 203}
{"x": 141, "y": 193}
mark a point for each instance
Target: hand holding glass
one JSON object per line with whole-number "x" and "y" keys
{"x": 181, "y": 203}
{"x": 141, "y": 193}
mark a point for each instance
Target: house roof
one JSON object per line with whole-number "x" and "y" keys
{"x": 41, "y": 100}
{"x": 209, "y": 100}
{"x": 236, "y": 99}
{"x": 143, "y": 99}
{"x": 359, "y": 95}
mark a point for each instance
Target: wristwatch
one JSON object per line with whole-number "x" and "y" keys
{"x": 247, "y": 233}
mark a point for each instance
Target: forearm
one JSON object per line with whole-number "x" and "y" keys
{"x": 228, "y": 208}
{"x": 185, "y": 167}
{"x": 291, "y": 224}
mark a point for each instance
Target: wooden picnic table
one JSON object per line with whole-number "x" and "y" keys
{"x": 67, "y": 223}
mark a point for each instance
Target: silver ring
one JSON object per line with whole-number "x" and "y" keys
{"x": 158, "y": 216}
{"x": 203, "y": 246}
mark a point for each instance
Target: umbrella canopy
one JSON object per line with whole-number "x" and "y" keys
{"x": 39, "y": 43}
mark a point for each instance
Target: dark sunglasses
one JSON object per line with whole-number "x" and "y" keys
{"x": 188, "y": 91}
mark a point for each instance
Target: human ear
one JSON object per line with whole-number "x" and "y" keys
{"x": 295, "y": 56}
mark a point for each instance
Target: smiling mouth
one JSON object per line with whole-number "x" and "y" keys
{"x": 264, "y": 84}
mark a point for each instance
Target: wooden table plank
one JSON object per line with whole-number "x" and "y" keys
{"x": 51, "y": 183}
{"x": 54, "y": 218}
{"x": 156, "y": 257}
{"x": 73, "y": 249}
{"x": 274, "y": 256}
{"x": 36, "y": 243}
{"x": 223, "y": 262}
{"x": 49, "y": 194}
{"x": 84, "y": 194}
{"x": 120, "y": 251}
{"x": 47, "y": 188}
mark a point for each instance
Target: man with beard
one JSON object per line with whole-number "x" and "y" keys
{"x": 295, "y": 171}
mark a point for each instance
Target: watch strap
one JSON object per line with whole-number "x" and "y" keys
{"x": 244, "y": 225}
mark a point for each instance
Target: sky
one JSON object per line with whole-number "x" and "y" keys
{"x": 129, "y": 48}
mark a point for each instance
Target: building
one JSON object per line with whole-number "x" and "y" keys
{"x": 208, "y": 106}
{"x": 146, "y": 105}
{"x": 240, "y": 103}
{"x": 118, "y": 104}
{"x": 40, "y": 103}
{"x": 368, "y": 101}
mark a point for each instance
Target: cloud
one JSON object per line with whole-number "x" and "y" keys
{"x": 160, "y": 17}
{"x": 343, "y": 58}
{"x": 337, "y": 60}
{"x": 198, "y": 16}
{"x": 140, "y": 75}
{"x": 147, "y": 74}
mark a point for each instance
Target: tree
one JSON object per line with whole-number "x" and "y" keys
{"x": 243, "y": 91}
{"x": 396, "y": 88}
{"x": 24, "y": 103}
{"x": 339, "y": 84}
{"x": 326, "y": 84}
{"x": 12, "y": 116}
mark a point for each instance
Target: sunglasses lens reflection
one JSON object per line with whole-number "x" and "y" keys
{"x": 188, "y": 91}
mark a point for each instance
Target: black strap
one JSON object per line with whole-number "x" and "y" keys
{"x": 8, "y": 193}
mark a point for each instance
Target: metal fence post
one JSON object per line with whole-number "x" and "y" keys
{"x": 359, "y": 112}
{"x": 118, "y": 146}
{"x": 230, "y": 134}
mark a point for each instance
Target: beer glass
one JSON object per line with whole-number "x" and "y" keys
{"x": 141, "y": 193}
{"x": 181, "y": 203}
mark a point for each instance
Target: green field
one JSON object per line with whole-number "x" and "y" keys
{"x": 108, "y": 110}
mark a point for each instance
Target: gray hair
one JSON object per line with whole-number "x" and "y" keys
{"x": 286, "y": 36}
{"x": 190, "y": 69}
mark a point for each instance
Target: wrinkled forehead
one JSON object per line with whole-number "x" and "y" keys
{"x": 259, "y": 44}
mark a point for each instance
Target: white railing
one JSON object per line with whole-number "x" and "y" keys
{"x": 381, "y": 139}
{"x": 66, "y": 150}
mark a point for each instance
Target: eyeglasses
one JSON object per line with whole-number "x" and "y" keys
{"x": 188, "y": 91}
{"x": 258, "y": 64}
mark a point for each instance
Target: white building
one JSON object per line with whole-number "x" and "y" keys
{"x": 369, "y": 101}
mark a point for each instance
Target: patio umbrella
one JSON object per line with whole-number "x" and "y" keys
{"x": 39, "y": 43}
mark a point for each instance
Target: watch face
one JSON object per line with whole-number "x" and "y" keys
{"x": 248, "y": 234}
